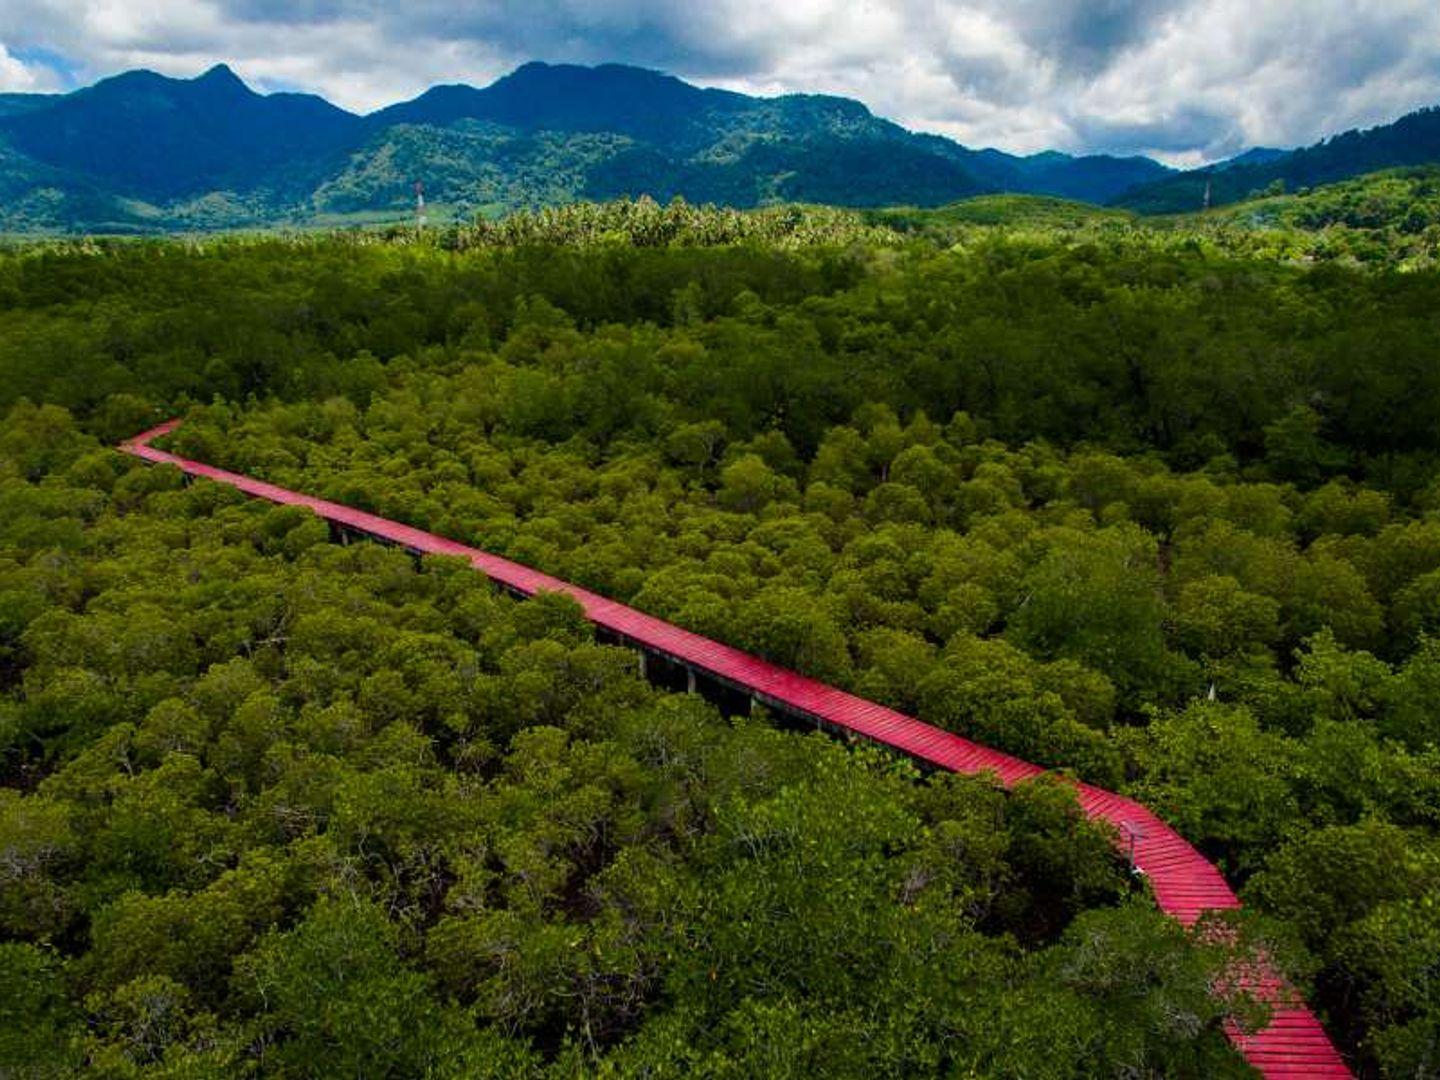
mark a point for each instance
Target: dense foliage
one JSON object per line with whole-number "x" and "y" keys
{"x": 1009, "y": 211}
{"x": 281, "y": 807}
{"x": 645, "y": 223}
{"x": 1387, "y": 220}
{"x": 1389, "y": 216}
{"x": 1141, "y": 509}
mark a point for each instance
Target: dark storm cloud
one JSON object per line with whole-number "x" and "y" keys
{"x": 1084, "y": 35}
{"x": 644, "y": 32}
{"x": 1182, "y": 78}
{"x": 1176, "y": 132}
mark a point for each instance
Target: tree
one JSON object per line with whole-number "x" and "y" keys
{"x": 1409, "y": 713}
{"x": 1131, "y": 961}
{"x": 748, "y": 485}
{"x": 1295, "y": 449}
{"x": 39, "y": 1025}
{"x": 333, "y": 995}
{"x": 1094, "y": 598}
{"x": 1215, "y": 617}
{"x": 1416, "y": 610}
{"x": 790, "y": 627}
{"x": 1219, "y": 779}
{"x": 1328, "y": 593}
{"x": 696, "y": 445}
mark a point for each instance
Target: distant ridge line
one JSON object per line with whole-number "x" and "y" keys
{"x": 1185, "y": 884}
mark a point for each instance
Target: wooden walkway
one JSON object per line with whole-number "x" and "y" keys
{"x": 1185, "y": 884}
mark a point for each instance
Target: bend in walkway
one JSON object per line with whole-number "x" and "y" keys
{"x": 1185, "y": 884}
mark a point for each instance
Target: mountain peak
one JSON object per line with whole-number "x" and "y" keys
{"x": 222, "y": 82}
{"x": 622, "y": 81}
{"x": 220, "y": 73}
{"x": 1256, "y": 155}
{"x": 538, "y": 96}
{"x": 543, "y": 68}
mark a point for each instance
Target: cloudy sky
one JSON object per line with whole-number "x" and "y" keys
{"x": 1186, "y": 80}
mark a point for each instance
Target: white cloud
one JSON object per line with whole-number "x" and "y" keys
{"x": 1185, "y": 79}
{"x": 19, "y": 77}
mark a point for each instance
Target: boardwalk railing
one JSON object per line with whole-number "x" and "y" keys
{"x": 1185, "y": 884}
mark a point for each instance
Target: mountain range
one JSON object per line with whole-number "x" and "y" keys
{"x": 142, "y": 152}
{"x": 1414, "y": 139}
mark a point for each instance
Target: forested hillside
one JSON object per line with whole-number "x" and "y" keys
{"x": 141, "y": 153}
{"x": 1412, "y": 140}
{"x": 1389, "y": 218}
{"x": 1157, "y": 507}
{"x": 1392, "y": 215}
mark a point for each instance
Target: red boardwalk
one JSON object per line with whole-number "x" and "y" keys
{"x": 1184, "y": 883}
